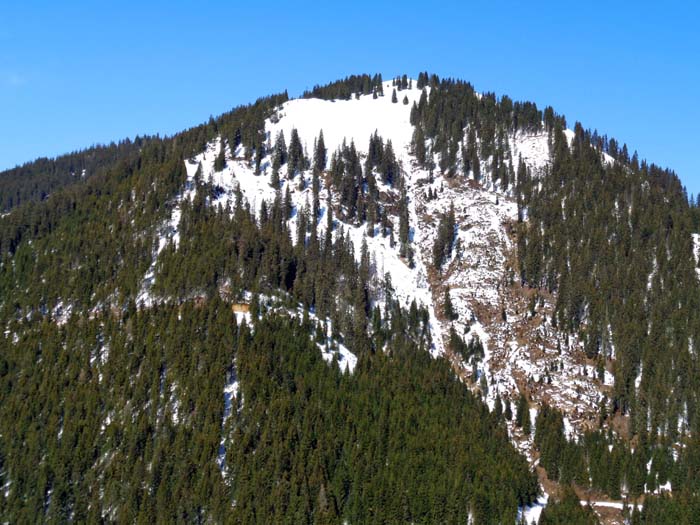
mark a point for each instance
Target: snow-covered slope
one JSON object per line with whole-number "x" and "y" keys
{"x": 518, "y": 349}
{"x": 523, "y": 351}
{"x": 349, "y": 120}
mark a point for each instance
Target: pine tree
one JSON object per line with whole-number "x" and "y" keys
{"x": 444, "y": 240}
{"x": 296, "y": 161}
{"x": 220, "y": 161}
{"x": 498, "y": 407}
{"x": 279, "y": 155}
{"x": 320, "y": 154}
{"x": 522, "y": 414}
{"x": 259, "y": 155}
{"x": 508, "y": 411}
{"x": 394, "y": 98}
{"x": 418, "y": 143}
{"x": 422, "y": 80}
{"x": 389, "y": 167}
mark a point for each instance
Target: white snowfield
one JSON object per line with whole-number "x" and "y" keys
{"x": 523, "y": 351}
{"x": 348, "y": 120}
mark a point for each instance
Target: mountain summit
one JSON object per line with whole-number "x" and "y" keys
{"x": 395, "y": 300}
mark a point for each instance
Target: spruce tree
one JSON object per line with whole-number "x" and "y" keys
{"x": 220, "y": 161}
{"x": 508, "y": 411}
{"x": 522, "y": 414}
{"x": 279, "y": 155}
{"x": 296, "y": 161}
{"x": 320, "y": 154}
{"x": 418, "y": 144}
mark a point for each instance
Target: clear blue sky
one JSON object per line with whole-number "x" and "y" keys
{"x": 73, "y": 74}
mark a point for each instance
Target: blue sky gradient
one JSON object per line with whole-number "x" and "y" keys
{"x": 76, "y": 73}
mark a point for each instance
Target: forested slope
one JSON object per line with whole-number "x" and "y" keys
{"x": 457, "y": 229}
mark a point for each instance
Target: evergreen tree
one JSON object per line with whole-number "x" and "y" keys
{"x": 320, "y": 154}
{"x": 508, "y": 411}
{"x": 295, "y": 162}
{"x": 220, "y": 161}
{"x": 444, "y": 241}
{"x": 522, "y": 414}
{"x": 279, "y": 155}
{"x": 418, "y": 144}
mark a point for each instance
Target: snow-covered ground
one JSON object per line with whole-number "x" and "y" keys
{"x": 610, "y": 504}
{"x": 532, "y": 513}
{"x": 533, "y": 148}
{"x": 352, "y": 120}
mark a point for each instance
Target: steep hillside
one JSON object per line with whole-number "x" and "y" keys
{"x": 520, "y": 345}
{"x": 440, "y": 247}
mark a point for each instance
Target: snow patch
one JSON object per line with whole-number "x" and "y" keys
{"x": 534, "y": 150}
{"x": 350, "y": 120}
{"x": 532, "y": 513}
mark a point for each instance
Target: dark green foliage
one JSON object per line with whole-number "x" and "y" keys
{"x": 522, "y": 415}
{"x": 320, "y": 154}
{"x": 279, "y": 156}
{"x": 344, "y": 89}
{"x": 606, "y": 463}
{"x": 36, "y": 180}
{"x": 418, "y": 145}
{"x": 295, "y": 160}
{"x": 422, "y": 80}
{"x": 508, "y": 411}
{"x": 682, "y": 508}
{"x": 619, "y": 255}
{"x": 405, "y": 249}
{"x": 383, "y": 420}
{"x": 347, "y": 177}
{"x": 220, "y": 161}
{"x": 473, "y": 349}
{"x": 454, "y": 106}
{"x": 101, "y": 432}
{"x": 445, "y": 238}
{"x": 563, "y": 460}
{"x": 389, "y": 168}
{"x": 140, "y": 427}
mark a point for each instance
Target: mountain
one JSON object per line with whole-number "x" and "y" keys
{"x": 400, "y": 301}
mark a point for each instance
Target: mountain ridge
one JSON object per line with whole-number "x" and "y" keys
{"x": 448, "y": 218}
